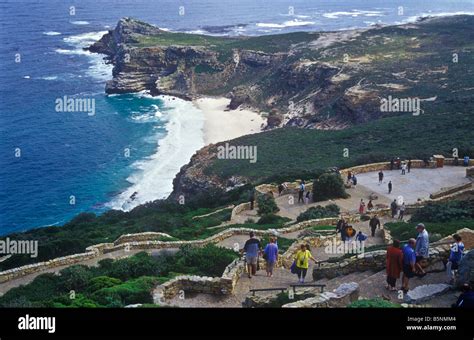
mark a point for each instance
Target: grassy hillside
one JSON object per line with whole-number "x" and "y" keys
{"x": 293, "y": 151}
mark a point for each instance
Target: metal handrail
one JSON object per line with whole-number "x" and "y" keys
{"x": 308, "y": 285}
{"x": 266, "y": 290}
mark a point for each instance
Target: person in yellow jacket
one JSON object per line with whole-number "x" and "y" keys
{"x": 302, "y": 258}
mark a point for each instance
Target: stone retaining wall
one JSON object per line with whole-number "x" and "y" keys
{"x": 450, "y": 190}
{"x": 470, "y": 171}
{"x": 202, "y": 284}
{"x": 13, "y": 273}
{"x": 141, "y": 241}
{"x": 339, "y": 298}
{"x": 374, "y": 261}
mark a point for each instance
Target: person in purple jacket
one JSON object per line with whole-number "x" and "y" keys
{"x": 271, "y": 256}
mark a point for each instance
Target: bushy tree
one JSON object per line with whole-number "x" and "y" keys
{"x": 266, "y": 205}
{"x": 330, "y": 210}
{"x": 327, "y": 186}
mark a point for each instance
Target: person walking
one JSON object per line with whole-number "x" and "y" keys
{"x": 374, "y": 222}
{"x": 455, "y": 257}
{"x": 390, "y": 187}
{"x": 301, "y": 192}
{"x": 280, "y": 189}
{"x": 354, "y": 180}
{"x": 252, "y": 248}
{"x": 402, "y": 211}
{"x": 409, "y": 165}
{"x": 270, "y": 254}
{"x": 370, "y": 205}
{"x": 394, "y": 208}
{"x": 422, "y": 248}
{"x": 349, "y": 177}
{"x": 404, "y": 168}
{"x": 409, "y": 260}
{"x": 380, "y": 176}
{"x": 393, "y": 264}
{"x": 302, "y": 258}
{"x": 392, "y": 162}
{"x": 307, "y": 197}
{"x": 252, "y": 198}
{"x": 362, "y": 206}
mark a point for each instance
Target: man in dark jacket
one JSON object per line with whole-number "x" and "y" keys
{"x": 373, "y": 224}
{"x": 394, "y": 208}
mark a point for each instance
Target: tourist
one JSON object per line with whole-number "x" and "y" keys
{"x": 390, "y": 187}
{"x": 252, "y": 198}
{"x": 409, "y": 260}
{"x": 340, "y": 224}
{"x": 404, "y": 168}
{"x": 398, "y": 162}
{"x": 349, "y": 233}
{"x": 302, "y": 262}
{"x": 373, "y": 224}
{"x": 361, "y": 237}
{"x": 252, "y": 248}
{"x": 370, "y": 205}
{"x": 380, "y": 176}
{"x": 455, "y": 257}
{"x": 301, "y": 192}
{"x": 422, "y": 248}
{"x": 409, "y": 165}
{"x": 280, "y": 189}
{"x": 361, "y": 206}
{"x": 394, "y": 208}
{"x": 354, "y": 180}
{"x": 402, "y": 211}
{"x": 394, "y": 264}
{"x": 466, "y": 299}
{"x": 270, "y": 255}
{"x": 349, "y": 177}
{"x": 392, "y": 164}
{"x": 307, "y": 199}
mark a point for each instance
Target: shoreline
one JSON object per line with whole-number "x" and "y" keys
{"x": 222, "y": 124}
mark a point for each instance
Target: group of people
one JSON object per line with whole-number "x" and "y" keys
{"x": 253, "y": 250}
{"x": 351, "y": 178}
{"x": 408, "y": 260}
{"x": 302, "y": 196}
{"x": 348, "y": 233}
{"x": 396, "y": 208}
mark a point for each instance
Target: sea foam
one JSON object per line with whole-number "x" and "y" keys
{"x": 153, "y": 176}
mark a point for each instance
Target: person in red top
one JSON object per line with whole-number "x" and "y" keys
{"x": 394, "y": 264}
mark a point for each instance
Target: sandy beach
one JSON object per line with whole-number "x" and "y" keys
{"x": 221, "y": 125}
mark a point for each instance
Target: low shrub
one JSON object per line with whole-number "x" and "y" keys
{"x": 331, "y": 210}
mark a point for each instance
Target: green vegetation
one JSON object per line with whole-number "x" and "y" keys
{"x": 446, "y": 211}
{"x": 331, "y": 210}
{"x": 373, "y": 303}
{"x": 266, "y": 205}
{"x": 306, "y": 151}
{"x": 87, "y": 229}
{"x": 327, "y": 186}
{"x": 117, "y": 283}
{"x": 443, "y": 218}
{"x": 272, "y": 219}
{"x": 404, "y": 231}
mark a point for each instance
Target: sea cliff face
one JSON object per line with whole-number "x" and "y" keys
{"x": 317, "y": 80}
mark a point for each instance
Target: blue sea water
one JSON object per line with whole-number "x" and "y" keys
{"x": 72, "y": 155}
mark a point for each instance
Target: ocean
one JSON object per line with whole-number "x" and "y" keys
{"x": 54, "y": 165}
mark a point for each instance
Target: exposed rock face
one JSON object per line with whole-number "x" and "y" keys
{"x": 426, "y": 292}
{"x": 466, "y": 269}
{"x": 329, "y": 80}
